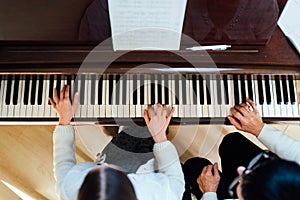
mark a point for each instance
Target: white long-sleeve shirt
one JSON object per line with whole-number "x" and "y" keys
{"x": 167, "y": 183}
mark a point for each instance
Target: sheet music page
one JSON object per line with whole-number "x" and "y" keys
{"x": 289, "y": 22}
{"x": 146, "y": 24}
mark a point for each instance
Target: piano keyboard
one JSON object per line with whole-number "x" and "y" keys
{"x": 127, "y": 95}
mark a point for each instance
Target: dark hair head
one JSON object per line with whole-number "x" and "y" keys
{"x": 272, "y": 180}
{"x": 106, "y": 183}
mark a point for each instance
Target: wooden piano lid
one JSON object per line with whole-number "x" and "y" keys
{"x": 278, "y": 56}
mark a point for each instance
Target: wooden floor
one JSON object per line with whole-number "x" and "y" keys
{"x": 26, "y": 152}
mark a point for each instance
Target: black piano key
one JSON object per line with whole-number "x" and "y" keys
{"x": 284, "y": 90}
{"x": 236, "y": 89}
{"x": 82, "y": 89}
{"x": 117, "y": 89}
{"x": 93, "y": 88}
{"x": 134, "y": 79}
{"x": 33, "y": 89}
{"x": 142, "y": 89}
{"x": 260, "y": 90}
{"x": 243, "y": 88}
{"x": 75, "y": 79}
{"x": 291, "y": 89}
{"x": 16, "y": 89}
{"x": 69, "y": 83}
{"x": 208, "y": 89}
{"x": 26, "y": 90}
{"x": 166, "y": 82}
{"x": 8, "y": 89}
{"x": 183, "y": 81}
{"x": 100, "y": 90}
{"x": 278, "y": 89}
{"x": 201, "y": 89}
{"x": 268, "y": 89}
{"x": 125, "y": 93}
{"x": 159, "y": 88}
{"x": 51, "y": 87}
{"x": 110, "y": 88}
{"x": 194, "y": 83}
{"x": 176, "y": 77}
{"x": 219, "y": 91}
{"x": 40, "y": 89}
{"x": 58, "y": 84}
{"x": 226, "y": 94}
{"x": 250, "y": 87}
{"x": 152, "y": 88}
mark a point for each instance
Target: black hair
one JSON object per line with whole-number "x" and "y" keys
{"x": 106, "y": 183}
{"x": 272, "y": 180}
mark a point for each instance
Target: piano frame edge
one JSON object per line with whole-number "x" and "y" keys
{"x": 140, "y": 121}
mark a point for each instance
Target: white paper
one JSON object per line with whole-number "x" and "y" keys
{"x": 289, "y": 22}
{"x": 146, "y": 24}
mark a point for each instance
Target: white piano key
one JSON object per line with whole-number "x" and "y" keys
{"x": 120, "y": 111}
{"x": 223, "y": 107}
{"x": 217, "y": 107}
{"x": 295, "y": 108}
{"x": 138, "y": 108}
{"x": 258, "y": 106}
{"x": 96, "y": 107}
{"x": 102, "y": 111}
{"x": 276, "y": 105}
{"x": 4, "y": 110}
{"x": 10, "y": 107}
{"x": 205, "y": 110}
{"x": 156, "y": 89}
{"x": 114, "y": 111}
{"x": 163, "y": 101}
{"x": 78, "y": 110}
{"x": 108, "y": 111}
{"x": 131, "y": 91}
{"x": 88, "y": 96}
{"x": 271, "y": 106}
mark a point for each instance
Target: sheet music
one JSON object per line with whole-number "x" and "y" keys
{"x": 289, "y": 22}
{"x": 146, "y": 24}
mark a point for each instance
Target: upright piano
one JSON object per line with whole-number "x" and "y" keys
{"x": 116, "y": 87}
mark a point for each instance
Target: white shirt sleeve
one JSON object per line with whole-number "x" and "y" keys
{"x": 281, "y": 144}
